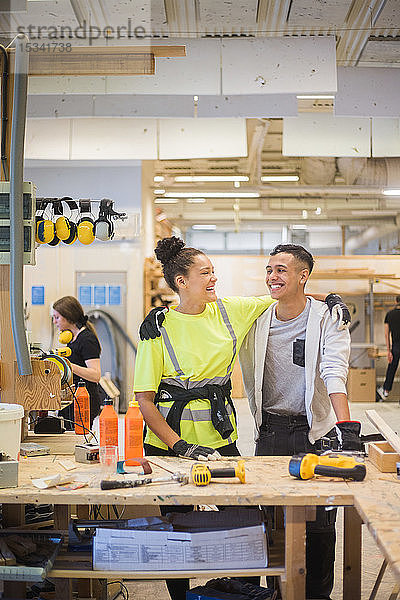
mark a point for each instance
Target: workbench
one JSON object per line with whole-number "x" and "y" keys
{"x": 375, "y": 502}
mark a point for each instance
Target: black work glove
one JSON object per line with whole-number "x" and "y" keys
{"x": 339, "y": 312}
{"x": 350, "y": 431}
{"x": 150, "y": 327}
{"x": 182, "y": 448}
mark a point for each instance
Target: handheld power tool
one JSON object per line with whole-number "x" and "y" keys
{"x": 201, "y": 474}
{"x": 331, "y": 465}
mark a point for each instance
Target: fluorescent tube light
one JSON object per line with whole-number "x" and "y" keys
{"x": 212, "y": 194}
{"x": 159, "y": 191}
{"x": 394, "y": 192}
{"x": 299, "y": 226}
{"x": 315, "y": 97}
{"x": 166, "y": 201}
{"x": 280, "y": 178}
{"x": 158, "y": 178}
{"x": 196, "y": 200}
{"x": 205, "y": 227}
{"x": 205, "y": 178}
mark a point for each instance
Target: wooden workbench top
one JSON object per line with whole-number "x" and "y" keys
{"x": 267, "y": 482}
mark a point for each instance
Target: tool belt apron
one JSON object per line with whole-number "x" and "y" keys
{"x": 181, "y": 390}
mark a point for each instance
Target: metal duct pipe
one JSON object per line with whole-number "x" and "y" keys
{"x": 368, "y": 235}
{"x": 16, "y": 206}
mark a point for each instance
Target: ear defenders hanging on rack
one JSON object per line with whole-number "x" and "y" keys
{"x": 66, "y": 227}
{"x": 56, "y": 240}
{"x": 85, "y": 224}
{"x": 45, "y": 228}
{"x": 104, "y": 227}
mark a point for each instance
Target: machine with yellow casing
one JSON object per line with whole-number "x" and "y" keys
{"x": 307, "y": 466}
{"x": 202, "y": 475}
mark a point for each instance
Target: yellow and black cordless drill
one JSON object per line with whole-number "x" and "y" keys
{"x": 307, "y": 466}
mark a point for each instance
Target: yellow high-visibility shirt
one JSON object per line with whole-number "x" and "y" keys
{"x": 204, "y": 349}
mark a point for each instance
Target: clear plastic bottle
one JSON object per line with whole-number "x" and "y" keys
{"x": 82, "y": 409}
{"x": 108, "y": 425}
{"x": 133, "y": 433}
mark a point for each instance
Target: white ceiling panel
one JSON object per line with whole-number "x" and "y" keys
{"x": 114, "y": 139}
{"x": 67, "y": 85}
{"x": 202, "y": 138}
{"x": 326, "y": 135}
{"x": 385, "y": 137}
{"x": 265, "y": 66}
{"x": 228, "y": 16}
{"x": 196, "y": 73}
{"x": 48, "y": 139}
{"x": 251, "y": 106}
{"x": 314, "y": 13}
{"x": 368, "y": 92}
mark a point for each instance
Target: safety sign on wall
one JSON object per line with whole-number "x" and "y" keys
{"x": 37, "y": 295}
{"x": 100, "y": 295}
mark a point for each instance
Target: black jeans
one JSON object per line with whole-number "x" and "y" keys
{"x": 282, "y": 435}
{"x": 392, "y": 368}
{"x": 178, "y": 587}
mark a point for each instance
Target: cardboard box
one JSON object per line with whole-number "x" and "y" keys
{"x": 135, "y": 550}
{"x": 382, "y": 455}
{"x": 361, "y": 385}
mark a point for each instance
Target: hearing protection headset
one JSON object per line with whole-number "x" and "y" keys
{"x": 85, "y": 224}
{"x": 45, "y": 228}
{"x": 65, "y": 227}
{"x": 64, "y": 365}
{"x": 104, "y": 227}
{"x": 65, "y": 336}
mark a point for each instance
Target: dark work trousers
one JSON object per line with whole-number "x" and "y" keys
{"x": 392, "y": 368}
{"x": 282, "y": 435}
{"x": 178, "y": 587}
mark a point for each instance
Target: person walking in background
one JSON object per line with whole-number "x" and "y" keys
{"x": 68, "y": 314}
{"x": 392, "y": 338}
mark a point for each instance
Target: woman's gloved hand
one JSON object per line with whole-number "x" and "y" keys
{"x": 339, "y": 311}
{"x": 194, "y": 451}
{"x": 150, "y": 327}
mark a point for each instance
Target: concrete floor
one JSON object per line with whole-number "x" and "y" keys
{"x": 372, "y": 558}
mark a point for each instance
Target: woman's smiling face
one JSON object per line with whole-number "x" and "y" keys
{"x": 200, "y": 280}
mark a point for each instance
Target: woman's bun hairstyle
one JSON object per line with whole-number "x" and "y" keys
{"x": 168, "y": 248}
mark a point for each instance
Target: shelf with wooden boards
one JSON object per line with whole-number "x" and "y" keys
{"x": 156, "y": 291}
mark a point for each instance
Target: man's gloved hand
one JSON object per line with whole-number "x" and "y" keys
{"x": 339, "y": 312}
{"x": 182, "y": 448}
{"x": 150, "y": 327}
{"x": 350, "y": 432}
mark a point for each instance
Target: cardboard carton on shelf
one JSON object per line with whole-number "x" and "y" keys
{"x": 361, "y": 385}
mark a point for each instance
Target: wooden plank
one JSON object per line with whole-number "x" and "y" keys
{"x": 352, "y": 554}
{"x": 295, "y": 552}
{"x": 101, "y": 63}
{"x": 387, "y": 432}
{"x": 42, "y": 389}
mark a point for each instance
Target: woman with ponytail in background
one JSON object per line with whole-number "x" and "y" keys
{"x": 85, "y": 350}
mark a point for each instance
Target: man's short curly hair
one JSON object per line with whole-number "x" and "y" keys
{"x": 302, "y": 255}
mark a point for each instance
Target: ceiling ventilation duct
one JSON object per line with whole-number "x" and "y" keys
{"x": 370, "y": 171}
{"x": 370, "y": 234}
{"x": 317, "y": 171}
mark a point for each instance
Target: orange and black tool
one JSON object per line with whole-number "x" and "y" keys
{"x": 331, "y": 465}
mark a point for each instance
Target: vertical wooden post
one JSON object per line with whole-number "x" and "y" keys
{"x": 295, "y": 552}
{"x": 352, "y": 554}
{"x": 7, "y": 378}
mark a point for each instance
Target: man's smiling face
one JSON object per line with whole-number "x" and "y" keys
{"x": 286, "y": 276}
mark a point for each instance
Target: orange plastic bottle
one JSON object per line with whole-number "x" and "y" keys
{"x": 108, "y": 425}
{"x": 82, "y": 409}
{"x": 133, "y": 433}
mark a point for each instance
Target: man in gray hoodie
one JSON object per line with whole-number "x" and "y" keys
{"x": 295, "y": 363}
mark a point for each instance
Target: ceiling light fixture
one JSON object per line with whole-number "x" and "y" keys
{"x": 196, "y": 200}
{"x": 315, "y": 97}
{"x": 236, "y": 184}
{"x": 280, "y": 178}
{"x": 299, "y": 226}
{"x": 318, "y": 210}
{"x": 394, "y": 192}
{"x": 158, "y": 178}
{"x": 304, "y": 214}
{"x": 205, "y": 227}
{"x": 213, "y": 194}
{"x": 159, "y": 191}
{"x": 205, "y": 178}
{"x": 166, "y": 201}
